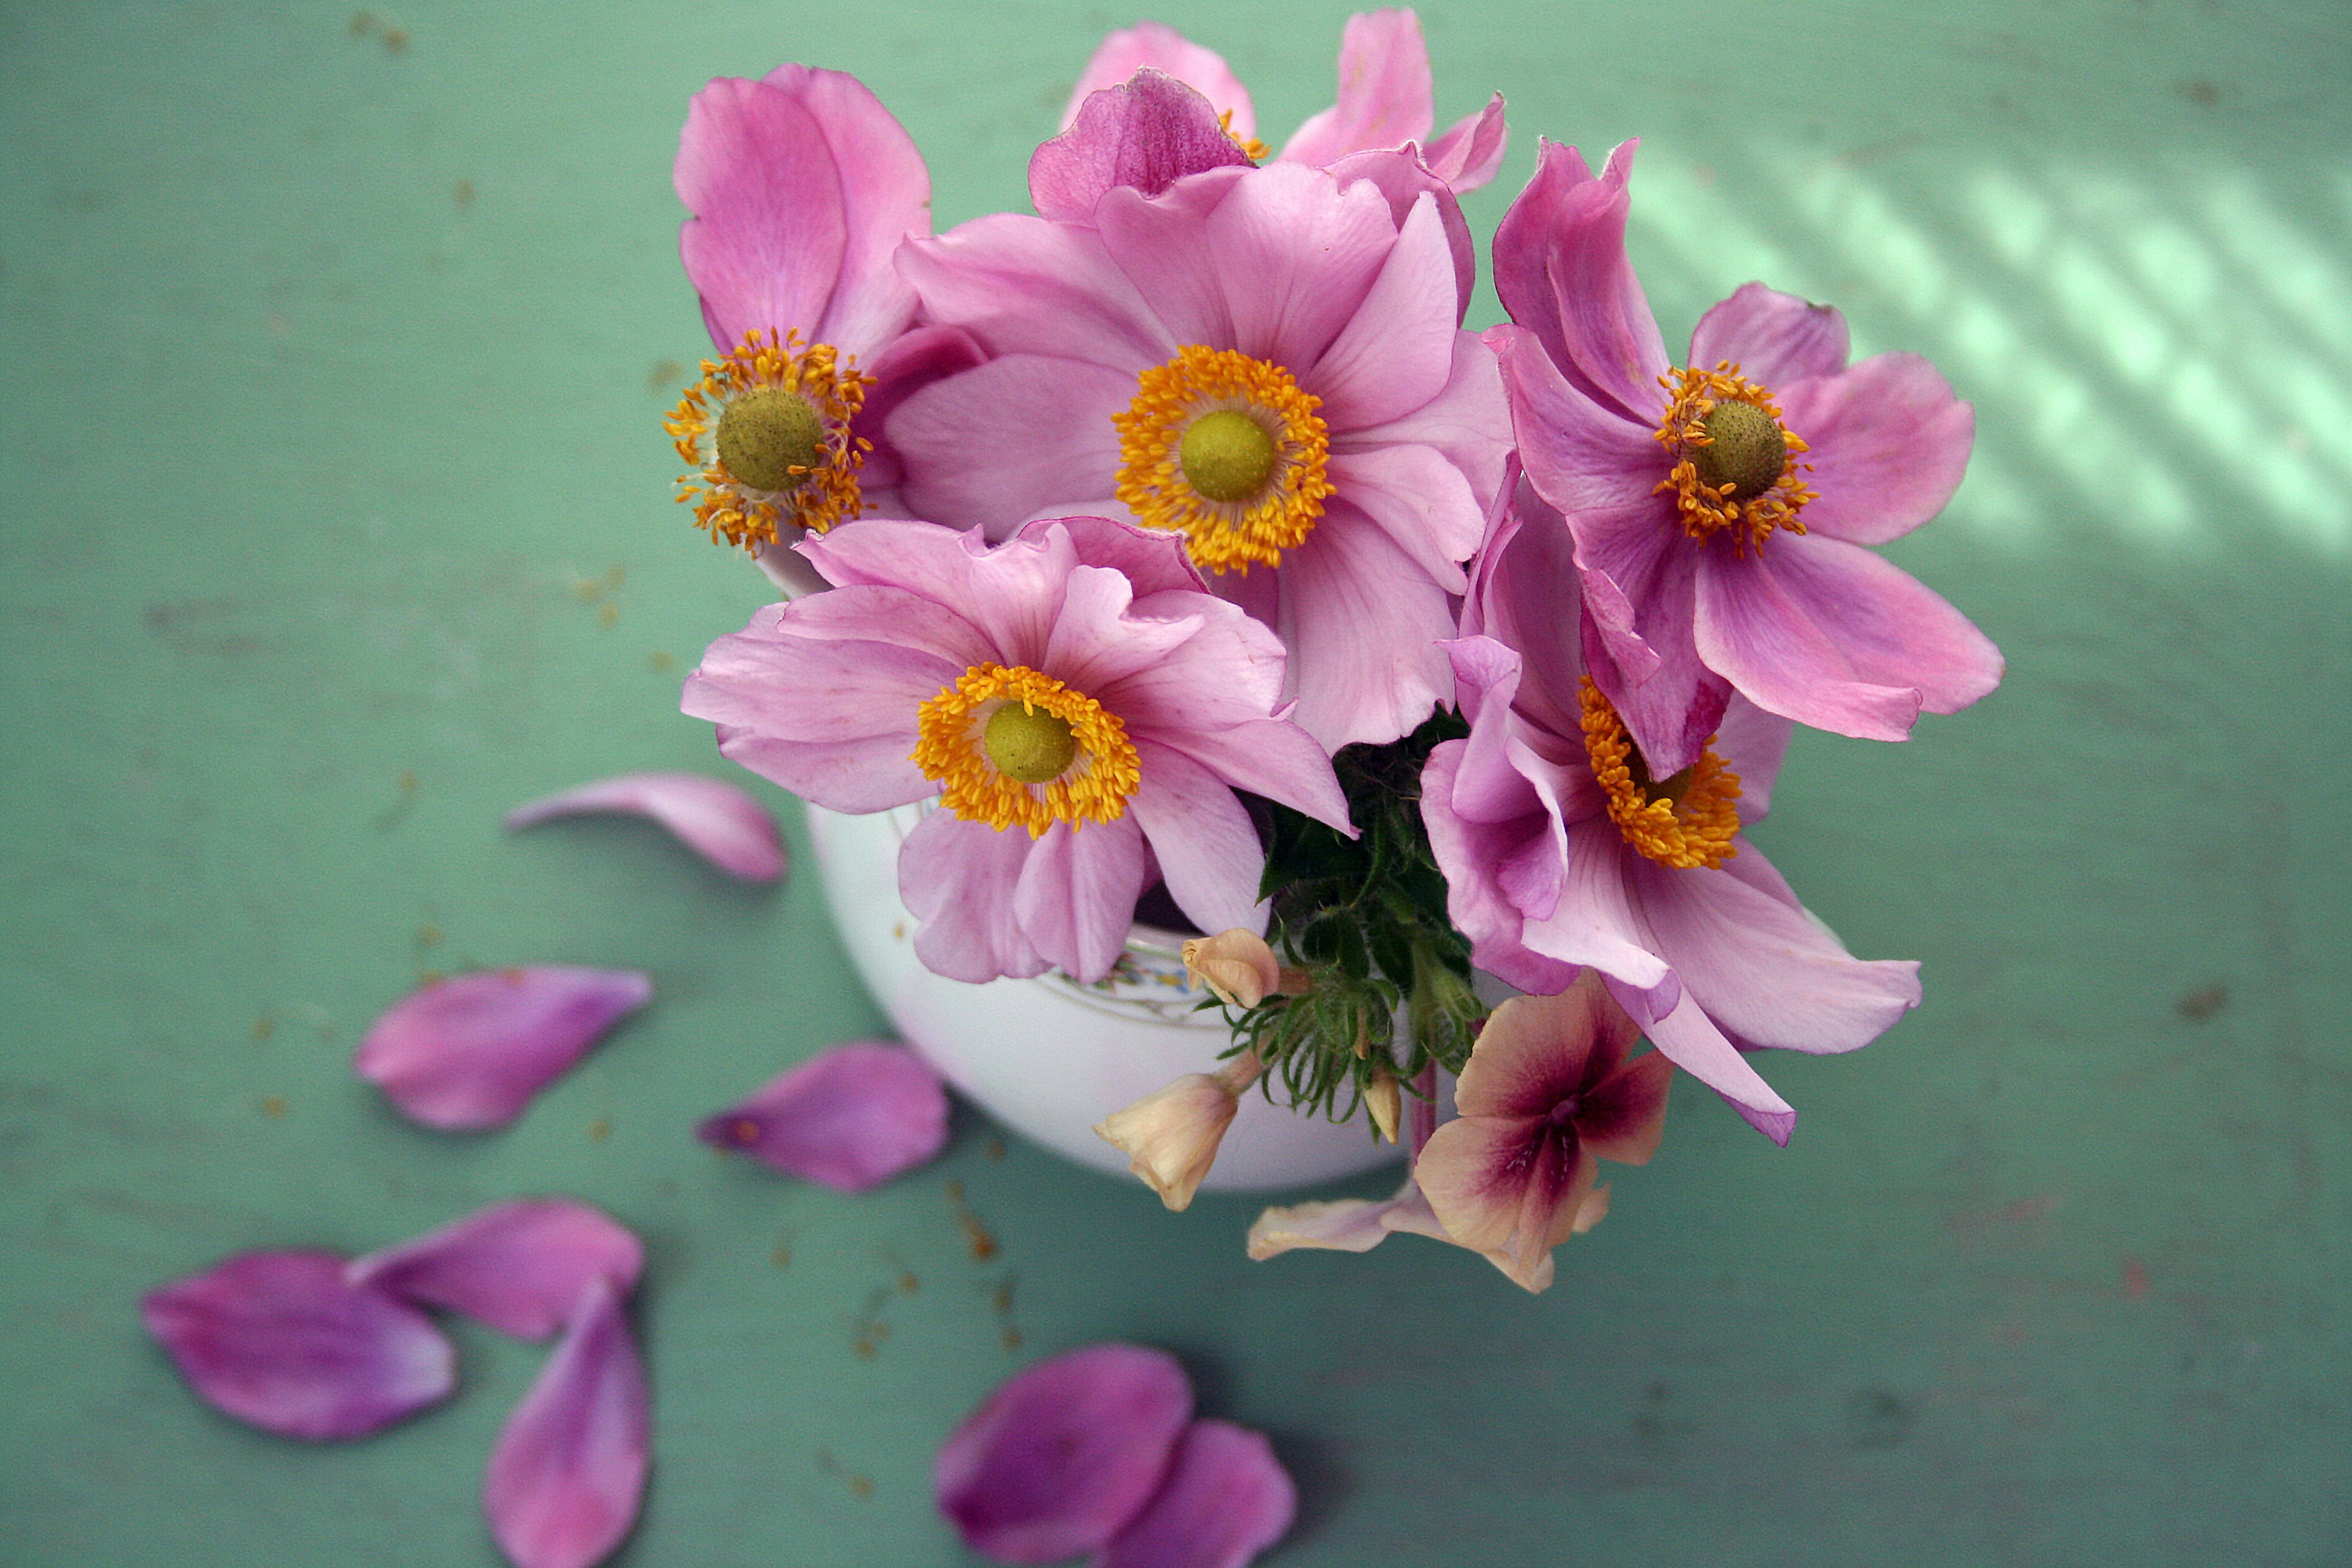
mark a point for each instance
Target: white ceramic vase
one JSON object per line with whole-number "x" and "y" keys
{"x": 1050, "y": 1057}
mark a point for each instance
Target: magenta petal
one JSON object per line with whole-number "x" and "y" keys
{"x": 765, "y": 246}
{"x": 958, "y": 878}
{"x": 570, "y": 1466}
{"x": 720, "y": 822}
{"x": 1154, "y": 45}
{"x": 521, "y": 1266}
{"x": 1226, "y": 1499}
{"x": 280, "y": 1340}
{"x": 1149, "y": 133}
{"x": 850, "y": 1117}
{"x": 1773, "y": 338}
{"x": 1470, "y": 152}
{"x": 885, "y": 197}
{"x": 471, "y": 1052}
{"x": 1063, "y": 1456}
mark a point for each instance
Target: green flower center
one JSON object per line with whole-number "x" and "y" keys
{"x": 1226, "y": 456}
{"x": 766, "y": 434}
{"x": 1029, "y": 744}
{"x": 1745, "y": 449}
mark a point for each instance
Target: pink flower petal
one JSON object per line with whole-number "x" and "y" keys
{"x": 569, "y": 1467}
{"x": 1889, "y": 442}
{"x": 1154, "y": 45}
{"x": 885, "y": 197}
{"x": 1470, "y": 154}
{"x": 470, "y": 1052}
{"x": 521, "y": 1266}
{"x": 1773, "y": 338}
{"x": 955, "y": 876}
{"x": 720, "y": 822}
{"x": 849, "y": 1118}
{"x": 278, "y": 1340}
{"x": 765, "y": 248}
{"x": 1384, "y": 97}
{"x": 1148, "y": 133}
{"x": 1226, "y": 1499}
{"x": 1065, "y": 1455}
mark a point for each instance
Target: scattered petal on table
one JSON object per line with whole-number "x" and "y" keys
{"x": 521, "y": 1266}
{"x": 1064, "y": 1455}
{"x": 1226, "y": 1498}
{"x": 719, "y": 821}
{"x": 850, "y": 1117}
{"x": 470, "y": 1052}
{"x": 278, "y": 1340}
{"x": 569, "y": 1467}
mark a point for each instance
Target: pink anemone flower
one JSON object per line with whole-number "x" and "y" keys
{"x": 1266, "y": 360}
{"x": 1082, "y": 710}
{"x": 1561, "y": 850}
{"x": 1722, "y": 510}
{"x": 802, "y": 187}
{"x": 1386, "y": 99}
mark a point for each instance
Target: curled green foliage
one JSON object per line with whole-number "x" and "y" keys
{"x": 1365, "y": 919}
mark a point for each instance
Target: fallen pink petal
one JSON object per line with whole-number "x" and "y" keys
{"x": 471, "y": 1052}
{"x": 280, "y": 1340}
{"x": 1063, "y": 1456}
{"x": 850, "y": 1117}
{"x": 716, "y": 819}
{"x": 569, "y": 1467}
{"x": 521, "y": 1267}
{"x": 1226, "y": 1499}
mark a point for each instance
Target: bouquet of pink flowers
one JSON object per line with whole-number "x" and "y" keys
{"x": 1179, "y": 536}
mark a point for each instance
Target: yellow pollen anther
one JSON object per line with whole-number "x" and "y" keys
{"x": 1187, "y": 463}
{"x": 767, "y": 429}
{"x": 984, "y": 762}
{"x": 1255, "y": 151}
{"x": 1735, "y": 464}
{"x": 1687, "y": 821}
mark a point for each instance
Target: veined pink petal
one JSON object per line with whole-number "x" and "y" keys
{"x": 1474, "y": 901}
{"x": 1226, "y": 1498}
{"x": 521, "y": 1266}
{"x": 1888, "y": 442}
{"x": 849, "y": 1118}
{"x": 1774, "y": 338}
{"x": 1385, "y": 99}
{"x": 1835, "y": 635}
{"x": 957, "y": 879}
{"x": 1153, "y": 45}
{"x": 565, "y": 1478}
{"x": 1404, "y": 179}
{"x": 1202, "y": 836}
{"x": 885, "y": 197}
{"x": 1470, "y": 154}
{"x": 766, "y": 247}
{"x": 1064, "y": 1455}
{"x": 1024, "y": 285}
{"x": 1561, "y": 269}
{"x": 1396, "y": 352}
{"x": 1362, "y": 624}
{"x": 912, "y": 362}
{"x": 1689, "y": 1038}
{"x": 470, "y": 1052}
{"x": 720, "y": 822}
{"x": 1075, "y": 896}
{"x": 1148, "y": 133}
{"x": 964, "y": 472}
{"x": 280, "y": 1340}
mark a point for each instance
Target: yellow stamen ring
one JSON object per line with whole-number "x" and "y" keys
{"x": 1255, "y": 151}
{"x": 1687, "y": 821}
{"x": 815, "y": 495}
{"x": 952, "y": 747}
{"x": 1225, "y": 530}
{"x": 1749, "y": 508}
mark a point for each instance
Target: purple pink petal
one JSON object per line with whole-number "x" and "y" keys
{"x": 1226, "y": 1498}
{"x": 521, "y": 1267}
{"x": 716, "y": 819}
{"x": 1065, "y": 1455}
{"x": 569, "y": 1469}
{"x": 850, "y": 1117}
{"x": 282, "y": 1341}
{"x": 470, "y": 1052}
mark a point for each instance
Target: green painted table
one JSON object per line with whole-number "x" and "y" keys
{"x": 336, "y": 523}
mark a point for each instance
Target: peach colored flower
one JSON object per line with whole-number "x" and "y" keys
{"x": 1171, "y": 1135}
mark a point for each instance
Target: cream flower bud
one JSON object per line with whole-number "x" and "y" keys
{"x": 1385, "y": 1101}
{"x": 1170, "y": 1136}
{"x": 1239, "y": 966}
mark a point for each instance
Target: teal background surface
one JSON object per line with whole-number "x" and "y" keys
{"x": 335, "y": 521}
